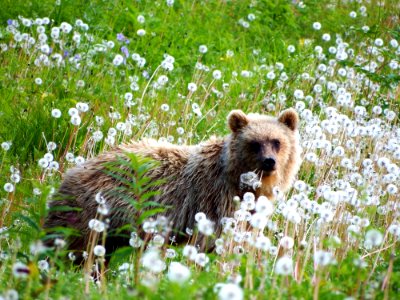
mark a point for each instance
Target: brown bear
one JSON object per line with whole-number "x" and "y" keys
{"x": 199, "y": 178}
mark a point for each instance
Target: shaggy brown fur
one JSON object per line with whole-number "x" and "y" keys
{"x": 200, "y": 178}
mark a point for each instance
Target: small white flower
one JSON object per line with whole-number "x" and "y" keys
{"x": 43, "y": 265}
{"x": 378, "y": 42}
{"x": 151, "y": 261}
{"x": 96, "y": 225}
{"x": 15, "y": 178}
{"x": 200, "y": 216}
{"x": 118, "y": 60}
{"x": 298, "y": 94}
{"x": 51, "y": 146}
{"x": 54, "y": 165}
{"x": 203, "y": 49}
{"x": 251, "y": 17}
{"x": 71, "y": 256}
{"x": 284, "y": 266}
{"x": 99, "y": 250}
{"x": 230, "y": 291}
{"x": 80, "y": 83}
{"x": 76, "y": 120}
{"x": 170, "y": 253}
{"x": 317, "y": 25}
{"x": 394, "y": 43}
{"x": 6, "y": 146}
{"x": 73, "y": 112}
{"x": 190, "y": 252}
{"x": 206, "y": 227}
{"x": 141, "y": 32}
{"x": 326, "y": 37}
{"x": 56, "y": 113}
{"x": 263, "y": 243}
{"x": 103, "y": 209}
{"x": 365, "y": 28}
{"x": 286, "y": 242}
{"x": 135, "y": 241}
{"x": 258, "y": 221}
{"x": 79, "y": 160}
{"x": 201, "y": 259}
{"x": 164, "y": 107}
{"x": 323, "y": 258}
{"x": 43, "y": 163}
{"x": 192, "y": 87}
{"x": 394, "y": 229}
{"x": 264, "y": 206}
{"x": 141, "y": 19}
{"x": 178, "y": 273}
{"x": 70, "y": 157}
{"x": 373, "y": 238}
{"x": 291, "y": 48}
{"x": 82, "y": 107}
{"x": 271, "y": 75}
{"x": 9, "y": 187}
{"x": 217, "y": 74}
{"x": 59, "y": 243}
{"x": 100, "y": 199}
{"x": 45, "y": 49}
{"x": 38, "y": 81}
{"x": 158, "y": 241}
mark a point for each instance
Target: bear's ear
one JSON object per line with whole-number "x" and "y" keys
{"x": 237, "y": 120}
{"x": 290, "y": 118}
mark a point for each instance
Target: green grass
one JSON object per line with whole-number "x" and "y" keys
{"x": 179, "y": 30}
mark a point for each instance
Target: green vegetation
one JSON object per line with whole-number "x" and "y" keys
{"x": 79, "y": 77}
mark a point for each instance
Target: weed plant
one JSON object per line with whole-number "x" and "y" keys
{"x": 78, "y": 78}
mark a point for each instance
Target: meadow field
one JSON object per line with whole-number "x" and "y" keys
{"x": 79, "y": 77}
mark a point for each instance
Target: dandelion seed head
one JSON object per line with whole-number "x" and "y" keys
{"x": 291, "y": 49}
{"x": 284, "y": 266}
{"x": 323, "y": 258}
{"x": 217, "y": 74}
{"x": 192, "y": 87}
{"x": 118, "y": 60}
{"x": 141, "y": 32}
{"x": 97, "y": 225}
{"x": 201, "y": 259}
{"x": 141, "y": 19}
{"x": 230, "y": 291}
{"x": 373, "y": 238}
{"x": 317, "y": 26}
{"x": 43, "y": 265}
{"x": 178, "y": 272}
{"x": 56, "y": 113}
{"x": 286, "y": 242}
{"x": 151, "y": 261}
{"x": 190, "y": 252}
{"x": 99, "y": 250}
{"x": 6, "y": 146}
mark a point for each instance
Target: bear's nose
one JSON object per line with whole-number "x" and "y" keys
{"x": 269, "y": 164}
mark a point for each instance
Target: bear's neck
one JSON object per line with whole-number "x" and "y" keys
{"x": 207, "y": 187}
{"x": 233, "y": 165}
{"x": 230, "y": 174}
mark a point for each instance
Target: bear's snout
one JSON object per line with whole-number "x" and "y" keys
{"x": 269, "y": 164}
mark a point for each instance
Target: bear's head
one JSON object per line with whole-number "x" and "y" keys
{"x": 265, "y": 145}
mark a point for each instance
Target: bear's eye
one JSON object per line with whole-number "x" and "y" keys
{"x": 276, "y": 144}
{"x": 255, "y": 146}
